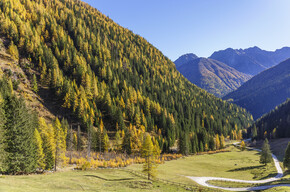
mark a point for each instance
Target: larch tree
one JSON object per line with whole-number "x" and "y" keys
{"x": 48, "y": 144}
{"x": 243, "y": 146}
{"x": 266, "y": 156}
{"x": 39, "y": 150}
{"x": 150, "y": 154}
{"x": 217, "y": 142}
{"x": 222, "y": 141}
{"x": 60, "y": 144}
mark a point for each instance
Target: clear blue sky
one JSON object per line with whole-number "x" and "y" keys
{"x": 177, "y": 27}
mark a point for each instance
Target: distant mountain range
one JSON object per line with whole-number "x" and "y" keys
{"x": 214, "y": 76}
{"x": 264, "y": 91}
{"x": 226, "y": 70}
{"x": 252, "y": 60}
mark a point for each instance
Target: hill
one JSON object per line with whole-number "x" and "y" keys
{"x": 213, "y": 76}
{"x": 264, "y": 91}
{"x": 275, "y": 124}
{"x": 252, "y": 60}
{"x": 108, "y": 79}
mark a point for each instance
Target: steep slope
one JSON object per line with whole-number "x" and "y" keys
{"x": 275, "y": 124}
{"x": 102, "y": 72}
{"x": 213, "y": 76}
{"x": 184, "y": 59}
{"x": 252, "y": 60}
{"x": 264, "y": 91}
{"x": 21, "y": 82}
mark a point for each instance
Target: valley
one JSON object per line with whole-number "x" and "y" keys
{"x": 89, "y": 104}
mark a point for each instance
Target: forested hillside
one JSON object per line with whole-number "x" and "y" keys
{"x": 108, "y": 78}
{"x": 275, "y": 124}
{"x": 264, "y": 91}
{"x": 213, "y": 76}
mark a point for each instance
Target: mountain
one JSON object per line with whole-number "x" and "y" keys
{"x": 252, "y": 60}
{"x": 275, "y": 124}
{"x": 213, "y": 76}
{"x": 107, "y": 79}
{"x": 184, "y": 59}
{"x": 264, "y": 91}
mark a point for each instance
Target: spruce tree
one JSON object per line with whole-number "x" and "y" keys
{"x": 2, "y": 123}
{"x": 286, "y": 162}
{"x": 266, "y": 156}
{"x": 19, "y": 140}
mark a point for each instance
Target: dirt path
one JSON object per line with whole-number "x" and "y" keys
{"x": 203, "y": 180}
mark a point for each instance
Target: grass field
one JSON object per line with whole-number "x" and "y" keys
{"x": 97, "y": 180}
{"x": 235, "y": 164}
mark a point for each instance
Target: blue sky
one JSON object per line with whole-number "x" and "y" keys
{"x": 177, "y": 27}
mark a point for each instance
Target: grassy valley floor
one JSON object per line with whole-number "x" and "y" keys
{"x": 234, "y": 164}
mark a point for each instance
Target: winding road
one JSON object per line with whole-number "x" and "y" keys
{"x": 203, "y": 180}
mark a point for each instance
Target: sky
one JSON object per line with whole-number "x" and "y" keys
{"x": 201, "y": 27}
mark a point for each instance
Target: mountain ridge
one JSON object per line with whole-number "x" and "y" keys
{"x": 252, "y": 60}
{"x": 213, "y": 76}
{"x": 264, "y": 91}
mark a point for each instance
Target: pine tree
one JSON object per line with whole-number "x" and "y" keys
{"x": 286, "y": 162}
{"x": 150, "y": 154}
{"x": 39, "y": 150}
{"x": 266, "y": 156}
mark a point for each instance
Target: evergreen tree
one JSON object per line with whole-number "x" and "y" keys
{"x": 2, "y": 123}
{"x": 286, "y": 162}
{"x": 254, "y": 132}
{"x": 266, "y": 156}
{"x": 127, "y": 142}
{"x": 19, "y": 140}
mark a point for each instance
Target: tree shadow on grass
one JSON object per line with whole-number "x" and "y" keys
{"x": 246, "y": 168}
{"x": 105, "y": 179}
